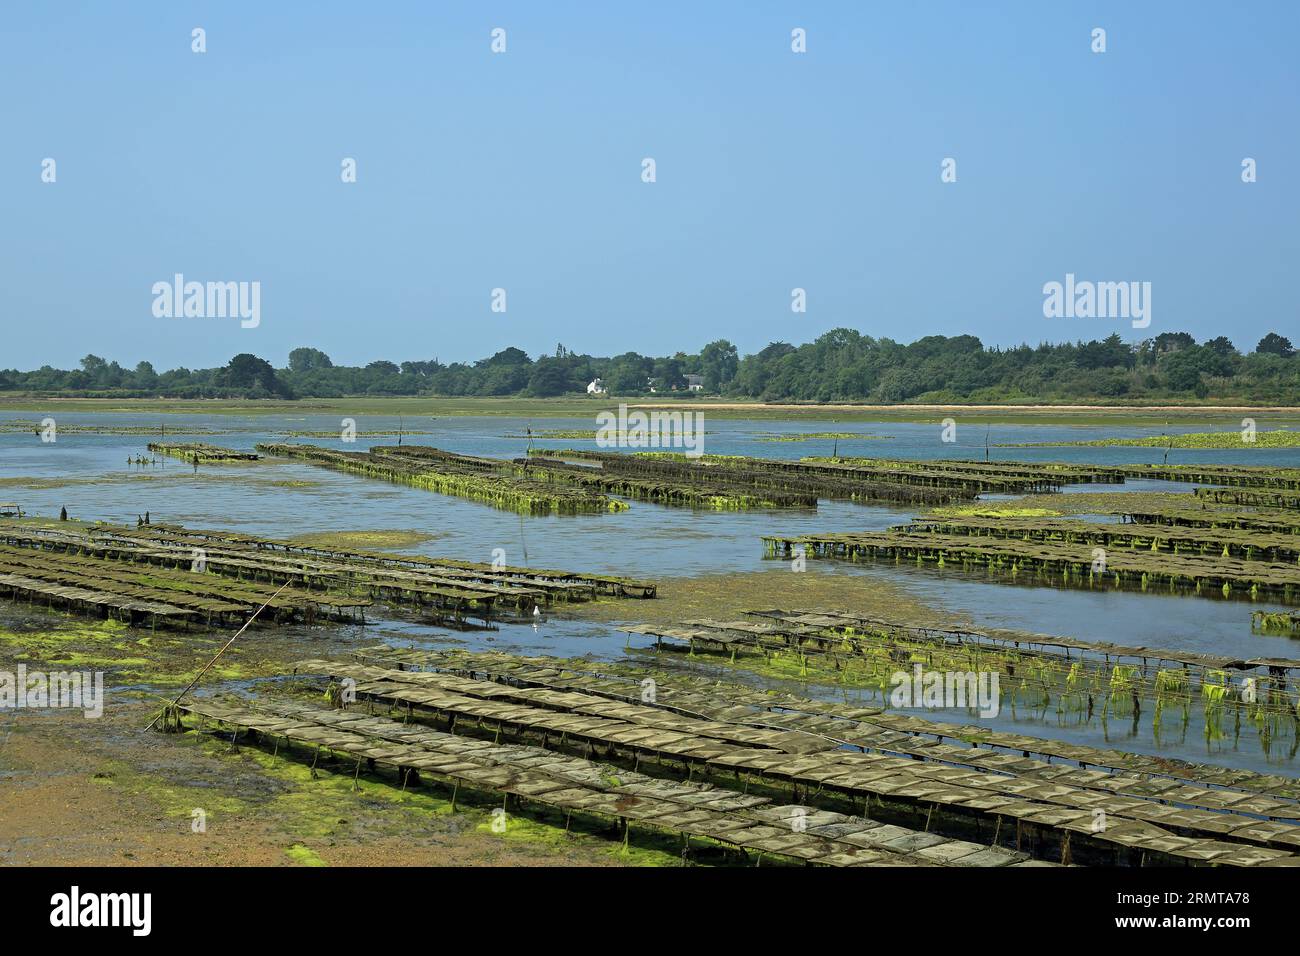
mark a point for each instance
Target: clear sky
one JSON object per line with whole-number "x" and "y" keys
{"x": 522, "y": 171}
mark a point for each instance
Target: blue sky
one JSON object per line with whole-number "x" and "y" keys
{"x": 523, "y": 171}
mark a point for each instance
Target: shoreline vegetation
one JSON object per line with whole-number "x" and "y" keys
{"x": 840, "y": 366}
{"x": 586, "y": 409}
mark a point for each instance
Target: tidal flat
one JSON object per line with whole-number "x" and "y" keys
{"x": 553, "y": 602}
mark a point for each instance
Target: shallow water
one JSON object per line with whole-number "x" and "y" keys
{"x": 1238, "y": 746}
{"x": 89, "y": 474}
{"x": 490, "y": 435}
{"x": 288, "y": 498}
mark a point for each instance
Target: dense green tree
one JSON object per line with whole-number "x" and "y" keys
{"x": 1172, "y": 341}
{"x": 629, "y": 374}
{"x": 308, "y": 360}
{"x": 144, "y": 377}
{"x": 841, "y": 365}
{"x": 1182, "y": 370}
{"x": 510, "y": 356}
{"x": 1274, "y": 344}
{"x": 718, "y": 364}
{"x": 668, "y": 373}
{"x": 253, "y": 375}
{"x": 550, "y": 377}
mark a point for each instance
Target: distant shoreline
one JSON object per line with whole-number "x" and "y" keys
{"x": 420, "y": 414}
{"x": 35, "y": 401}
{"x": 832, "y": 406}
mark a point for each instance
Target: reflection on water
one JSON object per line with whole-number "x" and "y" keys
{"x": 1208, "y": 625}
{"x": 1180, "y": 733}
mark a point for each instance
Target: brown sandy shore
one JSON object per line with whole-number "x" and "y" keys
{"x": 105, "y": 792}
{"x": 68, "y": 800}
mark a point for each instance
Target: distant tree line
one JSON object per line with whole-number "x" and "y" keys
{"x": 841, "y": 366}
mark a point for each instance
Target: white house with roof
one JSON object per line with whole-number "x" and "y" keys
{"x": 596, "y": 387}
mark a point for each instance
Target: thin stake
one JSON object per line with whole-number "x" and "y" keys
{"x": 191, "y": 684}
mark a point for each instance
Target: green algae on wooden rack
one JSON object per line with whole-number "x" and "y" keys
{"x": 488, "y": 481}
{"x": 832, "y": 779}
{"x": 864, "y": 482}
{"x": 1248, "y": 476}
{"x": 1250, "y": 498}
{"x": 572, "y": 785}
{"x": 1021, "y": 640}
{"x": 562, "y": 582}
{"x": 73, "y": 571}
{"x": 87, "y": 601}
{"x": 984, "y": 477}
{"x": 1268, "y": 521}
{"x": 763, "y": 476}
{"x": 193, "y": 577}
{"x": 1248, "y": 544}
{"x": 1054, "y": 562}
{"x": 1268, "y": 692}
{"x": 1162, "y": 778}
{"x": 1276, "y": 622}
{"x": 1086, "y": 678}
{"x": 1252, "y": 476}
{"x": 210, "y": 598}
{"x": 200, "y": 452}
{"x": 684, "y": 491}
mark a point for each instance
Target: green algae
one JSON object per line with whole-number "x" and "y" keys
{"x": 80, "y": 661}
{"x": 114, "y": 648}
{"x": 1279, "y": 623}
{"x": 77, "y": 643}
{"x": 1279, "y": 438}
{"x": 722, "y": 595}
{"x": 983, "y": 510}
{"x": 1076, "y": 503}
{"x": 500, "y": 484}
{"x": 74, "y": 630}
{"x": 200, "y": 452}
{"x": 321, "y": 802}
{"x": 361, "y": 540}
{"x": 314, "y": 797}
{"x": 516, "y": 828}
{"x": 304, "y": 856}
{"x": 173, "y": 799}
